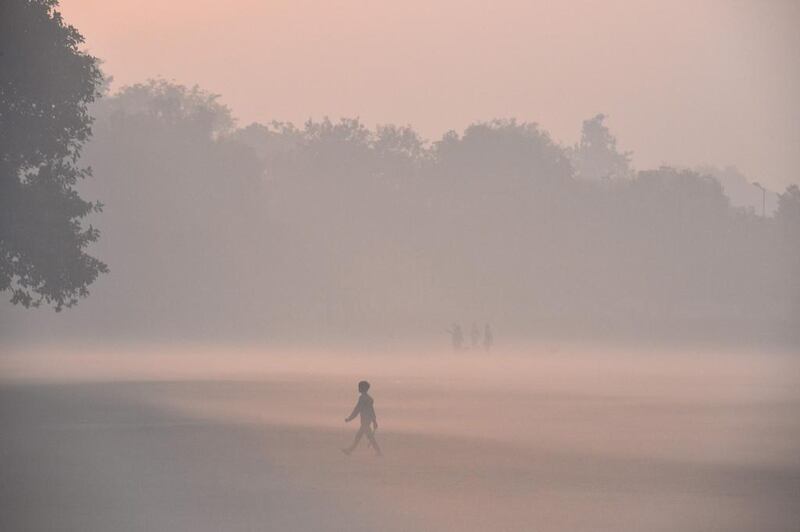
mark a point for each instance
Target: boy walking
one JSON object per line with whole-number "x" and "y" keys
{"x": 366, "y": 410}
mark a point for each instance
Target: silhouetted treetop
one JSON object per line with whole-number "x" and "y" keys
{"x": 788, "y": 213}
{"x": 596, "y": 155}
{"x": 501, "y": 149}
{"x": 193, "y": 110}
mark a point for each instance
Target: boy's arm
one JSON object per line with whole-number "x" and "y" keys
{"x": 352, "y": 416}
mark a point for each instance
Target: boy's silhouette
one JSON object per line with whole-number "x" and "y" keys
{"x": 365, "y": 409}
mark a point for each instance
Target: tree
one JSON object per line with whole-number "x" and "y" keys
{"x": 514, "y": 152}
{"x": 46, "y": 84}
{"x": 787, "y": 217}
{"x": 596, "y": 156}
{"x": 788, "y": 213}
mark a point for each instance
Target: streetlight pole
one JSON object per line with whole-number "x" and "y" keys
{"x": 763, "y": 198}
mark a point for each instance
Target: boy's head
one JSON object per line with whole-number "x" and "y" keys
{"x": 363, "y": 386}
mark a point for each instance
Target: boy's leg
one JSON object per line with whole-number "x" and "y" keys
{"x": 355, "y": 441}
{"x": 372, "y": 440}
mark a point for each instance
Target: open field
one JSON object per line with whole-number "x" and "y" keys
{"x": 551, "y": 438}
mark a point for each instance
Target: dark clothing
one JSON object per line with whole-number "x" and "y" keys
{"x": 365, "y": 430}
{"x": 365, "y": 409}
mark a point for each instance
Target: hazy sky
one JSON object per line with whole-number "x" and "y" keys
{"x": 683, "y": 82}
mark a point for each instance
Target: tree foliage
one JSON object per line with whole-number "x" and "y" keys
{"x": 596, "y": 155}
{"x": 46, "y": 84}
{"x": 788, "y": 213}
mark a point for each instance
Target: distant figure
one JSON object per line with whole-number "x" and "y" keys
{"x": 475, "y": 335}
{"x": 488, "y": 338}
{"x": 369, "y": 422}
{"x": 457, "y": 336}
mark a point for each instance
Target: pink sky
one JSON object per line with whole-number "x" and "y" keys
{"x": 683, "y": 82}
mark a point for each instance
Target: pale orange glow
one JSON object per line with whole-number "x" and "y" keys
{"x": 683, "y": 82}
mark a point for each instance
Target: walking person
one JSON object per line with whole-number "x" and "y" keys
{"x": 475, "y": 335}
{"x": 488, "y": 338}
{"x": 457, "y": 336}
{"x": 369, "y": 421}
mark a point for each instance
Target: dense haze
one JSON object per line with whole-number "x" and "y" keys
{"x": 332, "y": 230}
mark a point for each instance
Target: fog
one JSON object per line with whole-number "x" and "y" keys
{"x": 562, "y": 245}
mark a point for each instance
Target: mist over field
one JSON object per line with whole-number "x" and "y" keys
{"x": 598, "y": 331}
{"x": 557, "y": 437}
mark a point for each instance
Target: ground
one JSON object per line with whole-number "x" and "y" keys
{"x": 546, "y": 438}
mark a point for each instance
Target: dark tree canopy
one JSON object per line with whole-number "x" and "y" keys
{"x": 46, "y": 83}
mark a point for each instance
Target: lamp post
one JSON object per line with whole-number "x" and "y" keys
{"x": 763, "y": 198}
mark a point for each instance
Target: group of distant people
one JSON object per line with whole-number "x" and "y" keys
{"x": 457, "y": 337}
